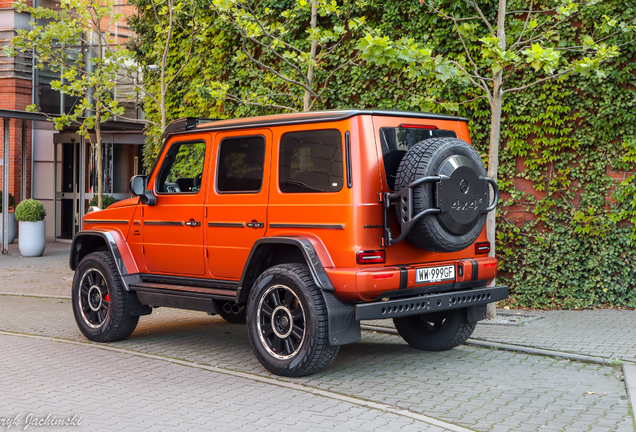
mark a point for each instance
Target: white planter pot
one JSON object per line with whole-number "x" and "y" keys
{"x": 32, "y": 240}
{"x": 12, "y": 227}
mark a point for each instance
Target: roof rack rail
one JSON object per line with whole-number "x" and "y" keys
{"x": 184, "y": 124}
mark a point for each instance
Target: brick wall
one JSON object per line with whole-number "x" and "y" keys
{"x": 15, "y": 94}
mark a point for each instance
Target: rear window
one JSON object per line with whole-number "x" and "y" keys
{"x": 311, "y": 161}
{"x": 396, "y": 141}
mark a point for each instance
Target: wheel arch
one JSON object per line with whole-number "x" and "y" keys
{"x": 270, "y": 251}
{"x": 86, "y": 242}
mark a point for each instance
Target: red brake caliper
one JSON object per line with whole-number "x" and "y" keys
{"x": 107, "y": 297}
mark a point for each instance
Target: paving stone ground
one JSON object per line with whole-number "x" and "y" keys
{"x": 108, "y": 391}
{"x": 482, "y": 389}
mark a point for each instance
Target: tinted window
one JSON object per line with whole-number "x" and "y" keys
{"x": 397, "y": 141}
{"x": 241, "y": 162}
{"x": 311, "y": 161}
{"x": 182, "y": 168}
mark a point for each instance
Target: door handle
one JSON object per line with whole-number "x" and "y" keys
{"x": 192, "y": 223}
{"x": 255, "y": 224}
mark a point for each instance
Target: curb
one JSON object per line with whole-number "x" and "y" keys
{"x": 35, "y": 295}
{"x": 629, "y": 371}
{"x": 524, "y": 349}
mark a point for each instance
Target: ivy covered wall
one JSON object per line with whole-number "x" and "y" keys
{"x": 567, "y": 157}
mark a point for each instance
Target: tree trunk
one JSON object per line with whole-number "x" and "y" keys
{"x": 100, "y": 163}
{"x": 312, "y": 56}
{"x": 164, "y": 61}
{"x": 495, "y": 134}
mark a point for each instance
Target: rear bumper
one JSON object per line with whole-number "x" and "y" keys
{"x": 430, "y": 303}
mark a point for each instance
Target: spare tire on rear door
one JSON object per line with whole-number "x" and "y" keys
{"x": 462, "y": 195}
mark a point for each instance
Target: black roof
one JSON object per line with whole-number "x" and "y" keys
{"x": 295, "y": 118}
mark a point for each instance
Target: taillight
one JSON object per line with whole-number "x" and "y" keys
{"x": 416, "y": 126}
{"x": 482, "y": 248}
{"x": 371, "y": 257}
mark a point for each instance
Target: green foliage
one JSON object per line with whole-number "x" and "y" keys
{"x": 11, "y": 201}
{"x": 30, "y": 210}
{"x": 562, "y": 240}
{"x": 108, "y": 200}
{"x": 88, "y": 74}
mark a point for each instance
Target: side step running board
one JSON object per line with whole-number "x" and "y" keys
{"x": 181, "y": 296}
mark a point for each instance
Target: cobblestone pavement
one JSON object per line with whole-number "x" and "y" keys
{"x": 608, "y": 333}
{"x": 108, "y": 391}
{"x": 45, "y": 275}
{"x": 482, "y": 389}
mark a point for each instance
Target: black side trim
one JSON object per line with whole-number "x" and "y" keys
{"x": 348, "y": 159}
{"x": 189, "y": 281}
{"x": 227, "y": 224}
{"x": 308, "y": 226}
{"x": 104, "y": 221}
{"x": 170, "y": 223}
{"x": 475, "y": 270}
{"x": 404, "y": 278}
{"x": 430, "y": 303}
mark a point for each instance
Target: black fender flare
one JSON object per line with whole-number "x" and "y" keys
{"x": 258, "y": 252}
{"x": 86, "y": 242}
{"x": 343, "y": 326}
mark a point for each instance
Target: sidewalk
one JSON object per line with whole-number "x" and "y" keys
{"x": 467, "y": 387}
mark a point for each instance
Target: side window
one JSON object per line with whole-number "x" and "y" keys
{"x": 396, "y": 141}
{"x": 182, "y": 169}
{"x": 241, "y": 163}
{"x": 311, "y": 161}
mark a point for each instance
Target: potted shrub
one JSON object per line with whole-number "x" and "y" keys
{"x": 32, "y": 240}
{"x": 106, "y": 199}
{"x": 11, "y": 219}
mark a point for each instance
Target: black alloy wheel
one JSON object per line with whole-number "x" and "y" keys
{"x": 94, "y": 299}
{"x": 281, "y": 322}
{"x": 287, "y": 322}
{"x": 100, "y": 303}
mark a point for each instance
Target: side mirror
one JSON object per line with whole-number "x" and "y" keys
{"x": 137, "y": 187}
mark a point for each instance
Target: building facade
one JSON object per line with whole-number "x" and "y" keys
{"x": 58, "y": 167}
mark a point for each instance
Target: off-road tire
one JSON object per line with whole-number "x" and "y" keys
{"x": 314, "y": 352}
{"x": 424, "y": 159}
{"x": 118, "y": 323}
{"x": 438, "y": 331}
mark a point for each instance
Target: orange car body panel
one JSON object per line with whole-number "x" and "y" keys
{"x": 338, "y": 224}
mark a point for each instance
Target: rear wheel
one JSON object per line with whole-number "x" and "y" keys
{"x": 438, "y": 331}
{"x": 100, "y": 303}
{"x": 287, "y": 322}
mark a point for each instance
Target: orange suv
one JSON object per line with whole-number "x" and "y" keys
{"x": 301, "y": 225}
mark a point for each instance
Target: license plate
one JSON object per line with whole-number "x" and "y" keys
{"x": 435, "y": 274}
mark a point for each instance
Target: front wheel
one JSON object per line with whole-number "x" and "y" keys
{"x": 437, "y": 331}
{"x": 287, "y": 322}
{"x": 100, "y": 303}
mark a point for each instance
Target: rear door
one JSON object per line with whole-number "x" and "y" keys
{"x": 236, "y": 205}
{"x": 173, "y": 227}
